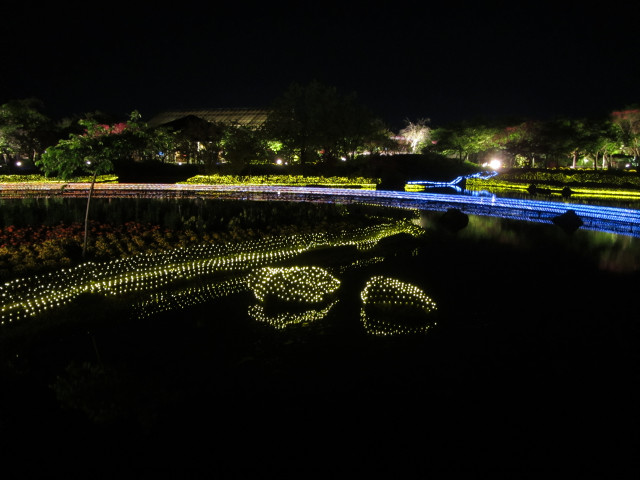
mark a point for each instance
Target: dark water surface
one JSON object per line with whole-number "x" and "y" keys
{"x": 532, "y": 361}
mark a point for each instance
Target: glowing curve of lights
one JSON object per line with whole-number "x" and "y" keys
{"x": 392, "y": 295}
{"x": 283, "y": 320}
{"x": 27, "y": 297}
{"x": 453, "y": 183}
{"x": 615, "y": 220}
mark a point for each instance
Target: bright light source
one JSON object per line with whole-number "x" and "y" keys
{"x": 18, "y": 163}
{"x": 495, "y": 164}
{"x": 344, "y": 159}
{"x": 278, "y": 161}
{"x": 88, "y": 162}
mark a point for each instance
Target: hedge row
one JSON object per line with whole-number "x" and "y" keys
{"x": 291, "y": 180}
{"x": 43, "y": 179}
{"x": 568, "y": 177}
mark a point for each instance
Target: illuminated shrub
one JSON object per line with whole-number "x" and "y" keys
{"x": 284, "y": 180}
{"x": 582, "y": 182}
{"x": 43, "y": 179}
{"x": 393, "y": 307}
{"x": 307, "y": 285}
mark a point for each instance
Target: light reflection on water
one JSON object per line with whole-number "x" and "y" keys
{"x": 607, "y": 251}
{"x": 611, "y": 252}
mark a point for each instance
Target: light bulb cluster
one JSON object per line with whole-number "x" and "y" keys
{"x": 294, "y": 284}
{"x": 166, "y": 301}
{"x": 393, "y": 307}
{"x": 282, "y": 320}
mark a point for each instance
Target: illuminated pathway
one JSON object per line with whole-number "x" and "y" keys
{"x": 606, "y": 219}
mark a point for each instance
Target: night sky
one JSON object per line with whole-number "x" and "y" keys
{"x": 445, "y": 63}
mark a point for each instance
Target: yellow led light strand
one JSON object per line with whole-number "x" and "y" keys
{"x": 393, "y": 296}
{"x": 26, "y": 297}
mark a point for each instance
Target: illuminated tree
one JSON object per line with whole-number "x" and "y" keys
{"x": 464, "y": 141}
{"x": 600, "y": 141}
{"x": 417, "y": 134}
{"x": 523, "y": 140}
{"x": 627, "y": 124}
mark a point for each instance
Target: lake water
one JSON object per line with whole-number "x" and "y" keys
{"x": 529, "y": 358}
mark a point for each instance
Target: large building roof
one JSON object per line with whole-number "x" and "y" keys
{"x": 243, "y": 116}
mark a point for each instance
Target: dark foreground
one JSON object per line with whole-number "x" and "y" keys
{"x": 533, "y": 367}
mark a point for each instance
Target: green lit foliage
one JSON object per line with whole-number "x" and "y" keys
{"x": 95, "y": 150}
{"x": 583, "y": 181}
{"x": 43, "y": 179}
{"x": 392, "y": 307}
{"x": 627, "y": 126}
{"x": 465, "y": 141}
{"x": 284, "y": 180}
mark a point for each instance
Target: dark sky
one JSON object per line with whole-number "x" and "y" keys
{"x": 445, "y": 63}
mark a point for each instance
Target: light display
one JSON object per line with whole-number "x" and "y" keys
{"x": 620, "y": 221}
{"x": 284, "y": 180}
{"x": 27, "y": 297}
{"x": 166, "y": 301}
{"x": 393, "y": 307}
{"x": 302, "y": 287}
{"x": 281, "y": 320}
{"x": 453, "y": 183}
{"x": 294, "y": 284}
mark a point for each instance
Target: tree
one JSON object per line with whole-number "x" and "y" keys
{"x": 316, "y": 120}
{"x": 416, "y": 134}
{"x": 241, "y": 145}
{"x": 197, "y": 140}
{"x": 627, "y": 125}
{"x": 25, "y": 131}
{"x": 566, "y": 138}
{"x": 523, "y": 140}
{"x": 600, "y": 141}
{"x": 464, "y": 140}
{"x": 95, "y": 151}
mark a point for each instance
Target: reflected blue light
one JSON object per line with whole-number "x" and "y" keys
{"x": 455, "y": 182}
{"x": 615, "y": 220}
{"x": 605, "y": 219}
